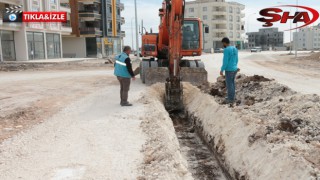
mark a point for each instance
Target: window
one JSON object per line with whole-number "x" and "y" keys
{"x": 238, "y": 18}
{"x": 119, "y": 27}
{"x": 231, "y": 26}
{"x": 238, "y": 10}
{"x": 231, "y": 34}
{"x": 35, "y": 45}
{"x": 53, "y": 45}
{"x": 205, "y": 17}
{"x": 230, "y": 10}
{"x": 190, "y": 35}
{"x": 118, "y": 11}
{"x": 191, "y": 10}
{"x": 204, "y": 9}
{"x": 8, "y": 48}
{"x": 231, "y": 18}
{"x": 110, "y": 26}
{"x": 238, "y": 35}
{"x": 238, "y": 26}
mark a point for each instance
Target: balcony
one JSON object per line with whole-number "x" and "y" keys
{"x": 219, "y": 21}
{"x": 219, "y": 13}
{"x": 90, "y": 31}
{"x": 123, "y": 21}
{"x": 65, "y": 7}
{"x": 66, "y": 27}
{"x": 220, "y": 30}
{"x": 9, "y": 26}
{"x": 123, "y": 34}
{"x": 121, "y": 6}
{"x": 87, "y": 15}
{"x": 89, "y": 1}
{"x": 12, "y": 2}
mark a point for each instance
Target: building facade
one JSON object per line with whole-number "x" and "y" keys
{"x": 266, "y": 38}
{"x": 96, "y": 28}
{"x": 307, "y": 38}
{"x": 224, "y": 19}
{"x": 31, "y": 41}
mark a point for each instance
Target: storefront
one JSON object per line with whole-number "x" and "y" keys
{"x": 36, "y": 48}
{"x": 53, "y": 46}
{"x": 7, "y": 46}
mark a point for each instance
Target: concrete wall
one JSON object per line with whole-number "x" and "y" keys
{"x": 75, "y": 47}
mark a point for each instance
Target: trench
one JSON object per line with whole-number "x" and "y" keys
{"x": 203, "y": 162}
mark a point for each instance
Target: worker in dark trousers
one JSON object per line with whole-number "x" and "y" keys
{"x": 123, "y": 71}
{"x": 230, "y": 67}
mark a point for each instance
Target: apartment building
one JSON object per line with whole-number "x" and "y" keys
{"x": 96, "y": 28}
{"x": 31, "y": 41}
{"x": 307, "y": 38}
{"x": 266, "y": 38}
{"x": 224, "y": 19}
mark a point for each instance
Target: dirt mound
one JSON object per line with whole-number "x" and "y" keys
{"x": 313, "y": 56}
{"x": 285, "y": 117}
{"x": 249, "y": 89}
{"x": 277, "y": 138}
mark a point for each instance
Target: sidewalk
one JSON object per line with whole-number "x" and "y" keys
{"x": 49, "y": 60}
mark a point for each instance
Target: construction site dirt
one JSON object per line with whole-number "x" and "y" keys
{"x": 201, "y": 160}
{"x": 68, "y": 121}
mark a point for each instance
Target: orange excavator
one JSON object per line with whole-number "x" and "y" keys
{"x": 163, "y": 53}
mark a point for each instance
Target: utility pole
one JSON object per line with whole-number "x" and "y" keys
{"x": 132, "y": 33}
{"x": 296, "y": 37}
{"x": 137, "y": 31}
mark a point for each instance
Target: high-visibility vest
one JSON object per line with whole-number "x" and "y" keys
{"x": 121, "y": 69}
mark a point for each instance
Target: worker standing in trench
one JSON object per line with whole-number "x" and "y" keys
{"x": 230, "y": 67}
{"x": 123, "y": 71}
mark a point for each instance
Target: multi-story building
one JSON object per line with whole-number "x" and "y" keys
{"x": 307, "y": 38}
{"x": 224, "y": 19}
{"x": 266, "y": 38}
{"x": 96, "y": 28}
{"x": 29, "y": 41}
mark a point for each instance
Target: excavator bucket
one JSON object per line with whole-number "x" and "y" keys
{"x": 191, "y": 71}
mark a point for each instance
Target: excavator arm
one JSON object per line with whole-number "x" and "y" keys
{"x": 177, "y": 38}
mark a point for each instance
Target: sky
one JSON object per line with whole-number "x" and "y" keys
{"x": 148, "y": 12}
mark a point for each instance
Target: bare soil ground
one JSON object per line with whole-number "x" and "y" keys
{"x": 29, "y": 97}
{"x": 307, "y": 64}
{"x": 36, "y": 66}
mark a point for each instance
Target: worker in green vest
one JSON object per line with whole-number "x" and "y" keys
{"x": 123, "y": 71}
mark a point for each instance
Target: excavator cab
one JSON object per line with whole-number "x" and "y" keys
{"x": 149, "y": 45}
{"x": 191, "y": 37}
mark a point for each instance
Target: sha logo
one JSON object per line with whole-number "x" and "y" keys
{"x": 276, "y": 14}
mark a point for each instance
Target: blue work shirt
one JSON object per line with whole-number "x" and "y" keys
{"x": 230, "y": 59}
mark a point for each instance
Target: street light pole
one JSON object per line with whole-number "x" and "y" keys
{"x": 248, "y": 21}
{"x": 132, "y": 33}
{"x": 137, "y": 37}
{"x": 291, "y": 43}
{"x": 296, "y": 43}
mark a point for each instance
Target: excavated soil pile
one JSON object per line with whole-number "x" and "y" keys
{"x": 313, "y": 56}
{"x": 285, "y": 118}
{"x": 250, "y": 90}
